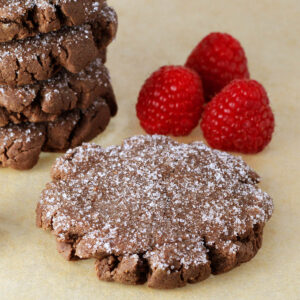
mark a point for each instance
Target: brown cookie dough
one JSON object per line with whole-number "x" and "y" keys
{"x": 105, "y": 27}
{"x": 20, "y": 145}
{"x": 154, "y": 210}
{"x": 73, "y": 128}
{"x": 46, "y": 101}
{"x": 20, "y": 19}
{"x": 41, "y": 57}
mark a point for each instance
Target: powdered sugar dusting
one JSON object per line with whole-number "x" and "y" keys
{"x": 20, "y": 7}
{"x": 31, "y": 48}
{"x": 153, "y": 197}
{"x": 46, "y": 93}
{"x": 109, "y": 14}
{"x": 15, "y": 134}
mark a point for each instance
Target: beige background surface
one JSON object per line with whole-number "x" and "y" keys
{"x": 153, "y": 33}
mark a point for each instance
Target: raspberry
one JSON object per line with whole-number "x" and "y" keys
{"x": 239, "y": 118}
{"x": 218, "y": 59}
{"x": 171, "y": 101}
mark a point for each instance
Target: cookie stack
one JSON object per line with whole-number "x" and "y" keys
{"x": 55, "y": 91}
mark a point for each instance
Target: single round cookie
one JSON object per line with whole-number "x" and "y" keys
{"x": 20, "y": 145}
{"x": 154, "y": 210}
{"x": 41, "y": 57}
{"x": 46, "y": 101}
{"x": 20, "y": 19}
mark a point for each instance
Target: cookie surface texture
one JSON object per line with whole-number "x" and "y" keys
{"x": 21, "y": 145}
{"x": 41, "y": 57}
{"x": 154, "y": 210}
{"x": 21, "y": 19}
{"x": 46, "y": 101}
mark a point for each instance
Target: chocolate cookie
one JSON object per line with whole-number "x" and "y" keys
{"x": 20, "y": 19}
{"x": 20, "y": 145}
{"x": 73, "y": 128}
{"x": 154, "y": 210}
{"x": 39, "y": 58}
{"x": 46, "y": 101}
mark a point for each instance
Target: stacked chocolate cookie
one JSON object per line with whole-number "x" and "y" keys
{"x": 55, "y": 91}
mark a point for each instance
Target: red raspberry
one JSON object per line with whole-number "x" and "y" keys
{"x": 239, "y": 118}
{"x": 171, "y": 101}
{"x": 218, "y": 59}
